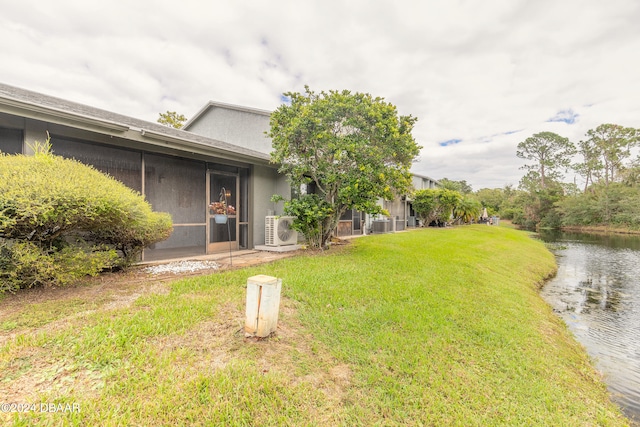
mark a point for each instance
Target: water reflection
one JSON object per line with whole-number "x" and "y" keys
{"x": 597, "y": 293}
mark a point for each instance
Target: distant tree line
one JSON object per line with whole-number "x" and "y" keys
{"x": 607, "y": 193}
{"x": 609, "y": 190}
{"x": 604, "y": 189}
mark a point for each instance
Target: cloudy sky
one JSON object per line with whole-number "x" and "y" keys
{"x": 480, "y": 76}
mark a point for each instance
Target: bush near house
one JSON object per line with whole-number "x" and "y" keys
{"x": 309, "y": 212}
{"x": 61, "y": 220}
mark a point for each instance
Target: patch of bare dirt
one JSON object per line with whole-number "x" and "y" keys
{"x": 211, "y": 345}
{"x": 107, "y": 292}
{"x": 90, "y": 288}
{"x": 137, "y": 279}
{"x": 33, "y": 373}
{"x": 219, "y": 342}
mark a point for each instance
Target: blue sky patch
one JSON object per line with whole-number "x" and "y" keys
{"x": 566, "y": 116}
{"x": 285, "y": 99}
{"x": 449, "y": 142}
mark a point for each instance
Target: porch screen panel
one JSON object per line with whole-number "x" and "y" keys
{"x": 347, "y": 216}
{"x": 243, "y": 240}
{"x": 244, "y": 196}
{"x": 11, "y": 141}
{"x": 122, "y": 164}
{"x": 223, "y": 232}
{"x": 185, "y": 240}
{"x": 177, "y": 186}
{"x": 357, "y": 220}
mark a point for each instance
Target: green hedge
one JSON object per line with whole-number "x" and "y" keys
{"x": 60, "y": 220}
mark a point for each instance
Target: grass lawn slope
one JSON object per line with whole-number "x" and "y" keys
{"x": 433, "y": 327}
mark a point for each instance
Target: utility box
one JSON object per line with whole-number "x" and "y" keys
{"x": 263, "y": 305}
{"x": 381, "y": 226}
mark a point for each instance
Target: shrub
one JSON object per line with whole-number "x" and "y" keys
{"x": 309, "y": 211}
{"x": 60, "y": 220}
{"x": 511, "y": 213}
{"x": 25, "y": 264}
{"x": 435, "y": 204}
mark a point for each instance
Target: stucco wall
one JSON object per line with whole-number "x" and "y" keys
{"x": 242, "y": 128}
{"x": 422, "y": 183}
{"x": 396, "y": 208}
{"x": 265, "y": 183}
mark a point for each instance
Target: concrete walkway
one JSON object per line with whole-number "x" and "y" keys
{"x": 242, "y": 258}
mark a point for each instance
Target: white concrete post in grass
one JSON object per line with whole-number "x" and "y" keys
{"x": 263, "y": 305}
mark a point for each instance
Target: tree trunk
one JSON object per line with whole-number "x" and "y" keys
{"x": 328, "y": 228}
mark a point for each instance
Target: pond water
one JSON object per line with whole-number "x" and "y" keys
{"x": 597, "y": 293}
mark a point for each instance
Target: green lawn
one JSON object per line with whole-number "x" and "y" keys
{"x": 432, "y": 327}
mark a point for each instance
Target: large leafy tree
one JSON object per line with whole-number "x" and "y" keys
{"x": 550, "y": 152}
{"x": 551, "y": 155}
{"x": 611, "y": 195}
{"x": 172, "y": 119}
{"x": 607, "y": 148}
{"x": 460, "y": 186}
{"x": 631, "y": 175}
{"x": 354, "y": 147}
{"x": 591, "y": 167}
{"x": 491, "y": 198}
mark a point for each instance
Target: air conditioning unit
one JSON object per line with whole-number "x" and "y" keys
{"x": 278, "y": 232}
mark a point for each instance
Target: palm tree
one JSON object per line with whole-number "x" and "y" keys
{"x": 467, "y": 209}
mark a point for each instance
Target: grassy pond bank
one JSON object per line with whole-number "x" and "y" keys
{"x": 431, "y": 327}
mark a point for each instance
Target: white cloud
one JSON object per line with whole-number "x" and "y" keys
{"x": 489, "y": 74}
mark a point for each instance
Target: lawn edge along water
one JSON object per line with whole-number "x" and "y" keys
{"x": 430, "y": 327}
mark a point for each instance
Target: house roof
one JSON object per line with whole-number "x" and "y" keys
{"x": 25, "y": 103}
{"x": 426, "y": 177}
{"x": 213, "y": 104}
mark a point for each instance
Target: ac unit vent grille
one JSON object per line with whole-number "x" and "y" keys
{"x": 278, "y": 231}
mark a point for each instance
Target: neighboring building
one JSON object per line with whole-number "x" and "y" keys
{"x": 401, "y": 209}
{"x": 421, "y": 182}
{"x": 177, "y": 171}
